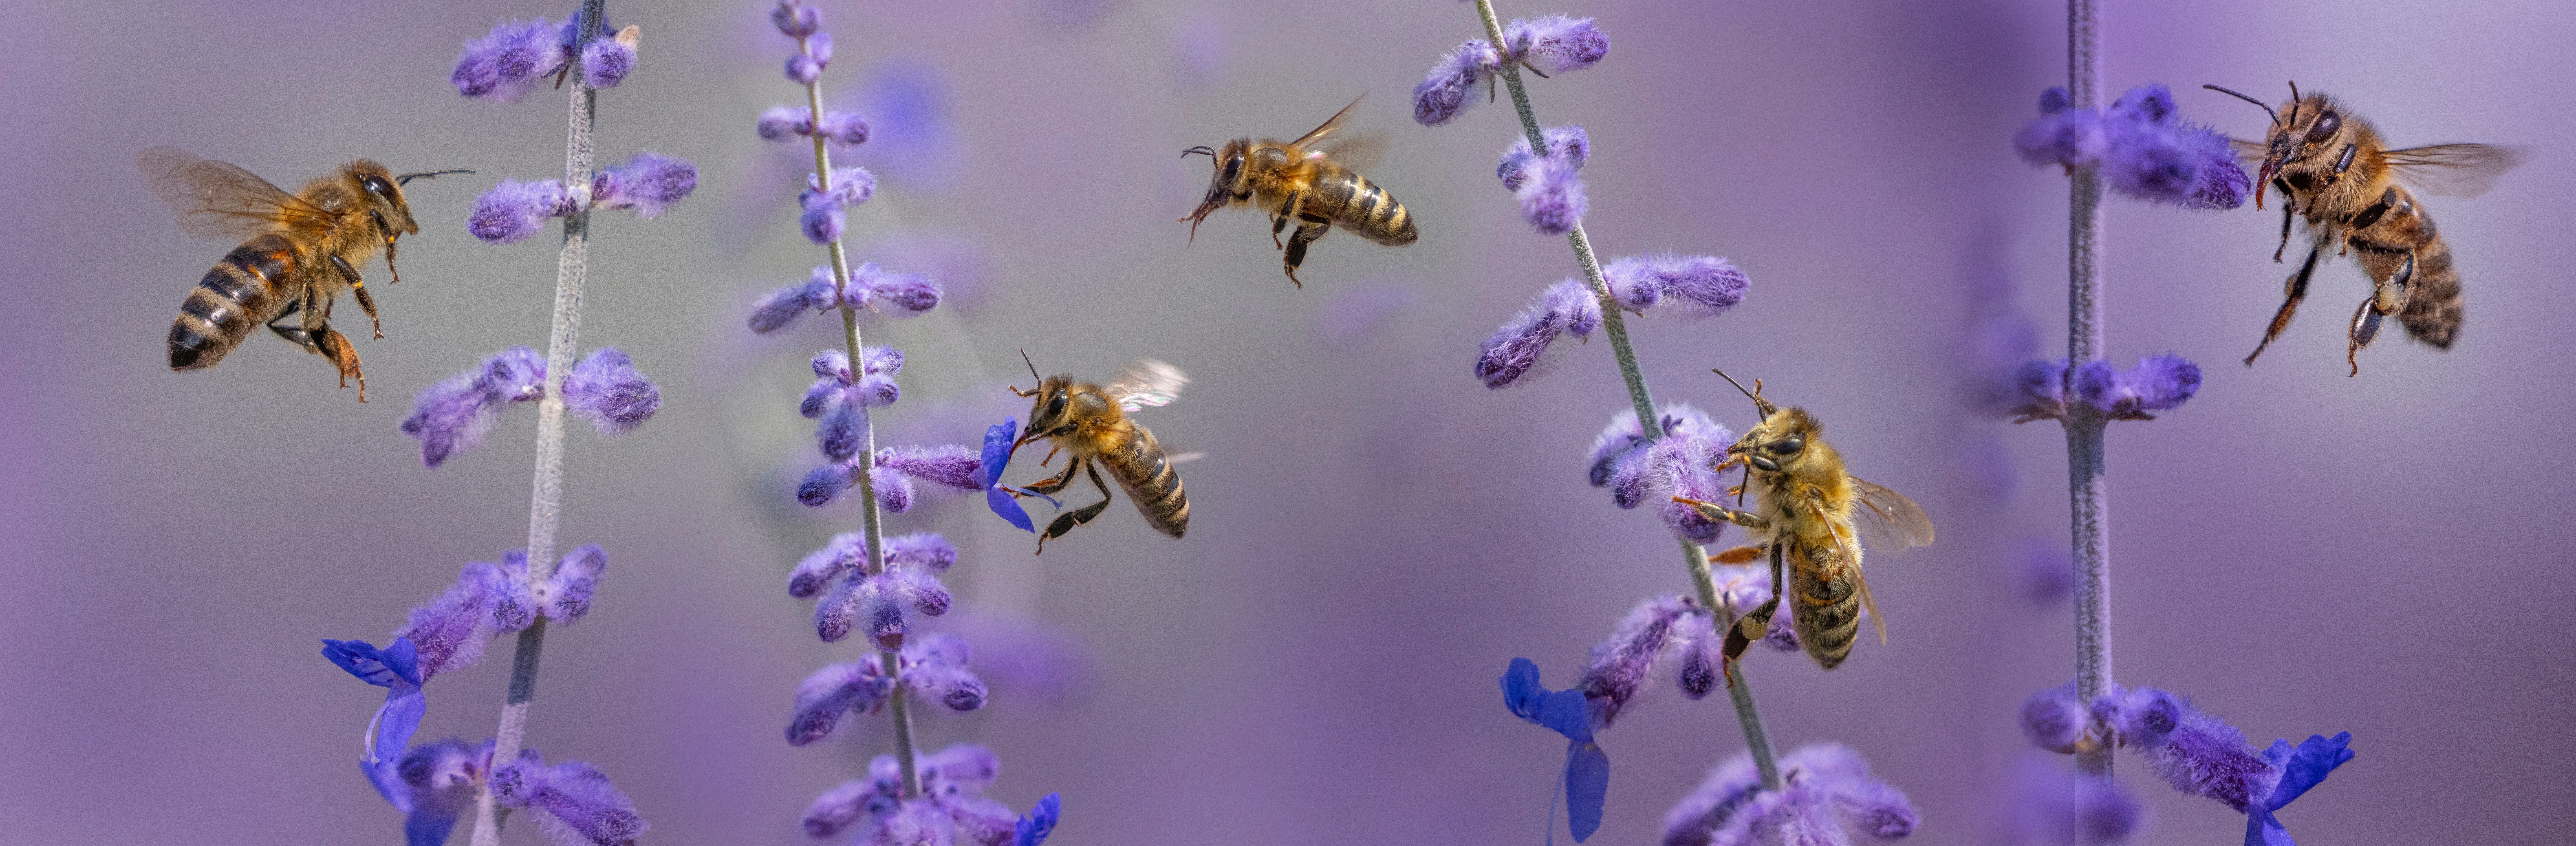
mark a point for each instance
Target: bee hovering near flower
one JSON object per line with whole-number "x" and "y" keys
{"x": 1313, "y": 181}
{"x": 2339, "y": 176}
{"x": 304, "y": 248}
{"x": 1090, "y": 421}
{"x": 1813, "y": 514}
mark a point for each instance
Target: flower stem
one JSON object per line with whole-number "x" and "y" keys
{"x": 2088, "y": 486}
{"x": 869, "y": 519}
{"x": 545, "y": 506}
{"x": 1757, "y": 740}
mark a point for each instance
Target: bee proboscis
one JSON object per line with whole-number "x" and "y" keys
{"x": 1313, "y": 181}
{"x": 301, "y": 250}
{"x": 1090, "y": 423}
{"x": 1813, "y": 516}
{"x": 2352, "y": 192}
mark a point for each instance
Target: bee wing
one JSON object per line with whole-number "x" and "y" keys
{"x": 2252, "y": 151}
{"x": 2455, "y": 170}
{"x": 1355, "y": 151}
{"x": 1887, "y": 520}
{"x": 1338, "y": 124}
{"x": 1850, "y": 549}
{"x": 216, "y": 200}
{"x": 1146, "y": 384}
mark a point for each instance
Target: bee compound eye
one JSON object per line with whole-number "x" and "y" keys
{"x": 1787, "y": 447}
{"x": 2326, "y": 126}
{"x": 1055, "y": 407}
{"x": 1233, "y": 168}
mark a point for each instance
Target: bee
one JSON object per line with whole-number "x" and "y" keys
{"x": 2338, "y": 176}
{"x": 1813, "y": 515}
{"x": 302, "y": 250}
{"x": 1090, "y": 421}
{"x": 1314, "y": 181}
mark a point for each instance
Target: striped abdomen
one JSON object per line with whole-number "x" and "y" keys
{"x": 245, "y": 289}
{"x": 1826, "y": 593}
{"x": 1150, "y": 481}
{"x": 1352, "y": 202}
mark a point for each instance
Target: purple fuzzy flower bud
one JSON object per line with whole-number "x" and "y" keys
{"x": 1695, "y": 286}
{"x": 844, "y": 423}
{"x": 607, "y": 390}
{"x": 607, "y": 61}
{"x": 832, "y": 692}
{"x": 803, "y": 69}
{"x": 907, "y": 294}
{"x": 1565, "y": 143}
{"x": 1555, "y": 44}
{"x": 823, "y": 224}
{"x": 925, "y": 550}
{"x": 1703, "y": 655}
{"x": 949, "y": 465}
{"x": 1829, "y": 795}
{"x": 2053, "y": 720}
{"x": 1620, "y": 665}
{"x": 1618, "y": 443}
{"x": 820, "y": 397}
{"x": 796, "y": 20}
{"x": 820, "y": 567}
{"x": 2198, "y": 754}
{"x": 649, "y": 183}
{"x": 783, "y": 124}
{"x": 894, "y": 490}
{"x": 505, "y": 65}
{"x": 449, "y": 630}
{"x": 453, "y": 416}
{"x": 843, "y": 129}
{"x": 853, "y": 603}
{"x": 2054, "y": 100}
{"x": 850, "y": 186}
{"x": 824, "y": 484}
{"x": 574, "y": 801}
{"x": 959, "y": 771}
{"x": 1520, "y": 347}
{"x": 844, "y": 805}
{"x": 780, "y": 310}
{"x": 2069, "y": 137}
{"x": 874, "y": 392}
{"x": 1678, "y": 466}
{"x": 881, "y": 360}
{"x": 1445, "y": 92}
{"x": 1576, "y": 304}
{"x": 919, "y": 590}
{"x": 514, "y": 210}
{"x": 2151, "y": 103}
{"x": 934, "y": 667}
{"x": 513, "y": 600}
{"x": 2156, "y": 383}
{"x": 564, "y": 597}
{"x": 820, "y": 45}
{"x": 2152, "y": 163}
{"x": 2034, "y": 390}
{"x": 1552, "y": 199}
{"x": 834, "y": 366}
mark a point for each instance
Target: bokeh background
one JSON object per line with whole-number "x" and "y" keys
{"x": 1376, "y": 533}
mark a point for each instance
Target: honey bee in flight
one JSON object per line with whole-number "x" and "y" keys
{"x": 2337, "y": 174}
{"x": 1313, "y": 181}
{"x": 302, "y": 250}
{"x": 1090, "y": 422}
{"x": 1814, "y": 515}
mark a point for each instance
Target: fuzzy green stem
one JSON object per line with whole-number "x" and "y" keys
{"x": 869, "y": 521}
{"x": 2088, "y": 485}
{"x": 1757, "y": 739}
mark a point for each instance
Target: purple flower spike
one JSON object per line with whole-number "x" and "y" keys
{"x": 843, "y": 129}
{"x": 1552, "y": 198}
{"x": 453, "y": 416}
{"x": 505, "y": 65}
{"x": 575, "y": 803}
{"x": 1830, "y": 795}
{"x": 1033, "y": 828}
{"x": 2053, "y": 720}
{"x": 606, "y": 62}
{"x": 850, "y": 186}
{"x": 783, "y": 124}
{"x": 1621, "y": 664}
{"x": 1446, "y": 92}
{"x": 858, "y": 687}
{"x": 1587, "y": 769}
{"x": 1555, "y": 44}
{"x": 796, "y": 20}
{"x": 650, "y": 183}
{"x": 514, "y": 210}
{"x": 2195, "y": 752}
{"x": 607, "y": 390}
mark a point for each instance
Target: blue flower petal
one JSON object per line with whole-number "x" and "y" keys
{"x": 396, "y": 721}
{"x": 1587, "y": 786}
{"x": 2262, "y": 830}
{"x": 1008, "y": 506}
{"x": 428, "y": 825}
{"x": 2308, "y": 766}
{"x": 1521, "y": 691}
{"x": 386, "y": 775}
{"x": 1039, "y": 822}
{"x": 997, "y": 449}
{"x": 404, "y": 659}
{"x": 361, "y": 659}
{"x": 1568, "y": 713}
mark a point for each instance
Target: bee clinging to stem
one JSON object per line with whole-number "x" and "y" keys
{"x": 2336, "y": 173}
{"x": 302, "y": 250}
{"x": 1812, "y": 516}
{"x": 1313, "y": 181}
{"x": 1090, "y": 422}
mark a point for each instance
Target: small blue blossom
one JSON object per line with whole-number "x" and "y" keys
{"x": 1003, "y": 499}
{"x": 2301, "y": 768}
{"x": 650, "y": 183}
{"x": 513, "y": 210}
{"x": 395, "y": 668}
{"x": 1033, "y": 827}
{"x": 1567, "y": 712}
{"x": 432, "y": 785}
{"x": 1445, "y": 91}
{"x": 1555, "y": 44}
{"x": 607, "y": 390}
{"x": 574, "y": 802}
{"x": 1828, "y": 795}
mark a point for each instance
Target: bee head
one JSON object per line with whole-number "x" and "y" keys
{"x": 1780, "y": 442}
{"x": 377, "y": 190}
{"x": 1229, "y": 184}
{"x": 2308, "y": 124}
{"x": 1050, "y": 408}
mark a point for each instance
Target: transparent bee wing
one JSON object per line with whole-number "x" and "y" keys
{"x": 217, "y": 200}
{"x": 1888, "y": 521}
{"x": 1184, "y": 457}
{"x": 1850, "y": 548}
{"x": 2251, "y": 151}
{"x": 1355, "y": 151}
{"x": 1146, "y": 384}
{"x": 1339, "y": 123}
{"x": 2455, "y": 170}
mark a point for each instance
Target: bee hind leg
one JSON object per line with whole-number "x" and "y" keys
{"x": 1065, "y": 522}
{"x": 1752, "y": 626}
{"x": 359, "y": 286}
{"x": 1309, "y": 230}
{"x": 1058, "y": 482}
{"x": 2295, "y": 290}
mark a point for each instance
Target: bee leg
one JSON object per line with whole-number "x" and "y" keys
{"x": 1308, "y": 231}
{"x": 1065, "y": 522}
{"x": 2387, "y": 297}
{"x": 336, "y": 347}
{"x": 2287, "y": 214}
{"x": 2297, "y": 290}
{"x": 388, "y": 231}
{"x": 365, "y": 301}
{"x": 296, "y": 335}
{"x": 1752, "y": 626}
{"x": 1721, "y": 513}
{"x": 1058, "y": 482}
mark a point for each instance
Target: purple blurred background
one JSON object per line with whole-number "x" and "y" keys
{"x": 1376, "y": 534}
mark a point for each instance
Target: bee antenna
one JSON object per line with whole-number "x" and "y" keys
{"x": 432, "y": 174}
{"x": 1033, "y": 367}
{"x": 2276, "y": 116}
{"x": 2294, "y": 102}
{"x": 1759, "y": 404}
{"x": 1202, "y": 149}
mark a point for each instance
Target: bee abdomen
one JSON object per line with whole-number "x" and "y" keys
{"x": 1827, "y": 613}
{"x": 1354, "y": 203}
{"x": 2433, "y": 311}
{"x": 1151, "y": 482}
{"x": 236, "y": 295}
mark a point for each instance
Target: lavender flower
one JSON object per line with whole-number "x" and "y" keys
{"x": 1697, "y": 287}
{"x": 856, "y": 687}
{"x": 650, "y": 183}
{"x": 783, "y": 124}
{"x": 850, "y": 186}
{"x": 2155, "y": 383}
{"x": 1568, "y": 143}
{"x": 783, "y": 309}
{"x": 606, "y": 390}
{"x": 505, "y": 65}
{"x": 2301, "y": 768}
{"x": 2047, "y": 805}
{"x": 1443, "y": 94}
{"x": 1555, "y": 44}
{"x": 934, "y": 669}
{"x": 1551, "y": 196}
{"x": 2195, "y": 752}
{"x": 952, "y": 807}
{"x": 2034, "y": 390}
{"x": 2053, "y": 720}
{"x": 607, "y": 61}
{"x": 1828, "y": 794}
{"x": 1566, "y": 712}
{"x": 514, "y": 210}
{"x": 433, "y": 785}
{"x": 396, "y": 668}
{"x": 575, "y": 803}
{"x": 1521, "y": 346}
{"x": 1621, "y": 664}
{"x": 796, "y": 20}
{"x": 1616, "y": 459}
{"x": 2142, "y": 146}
